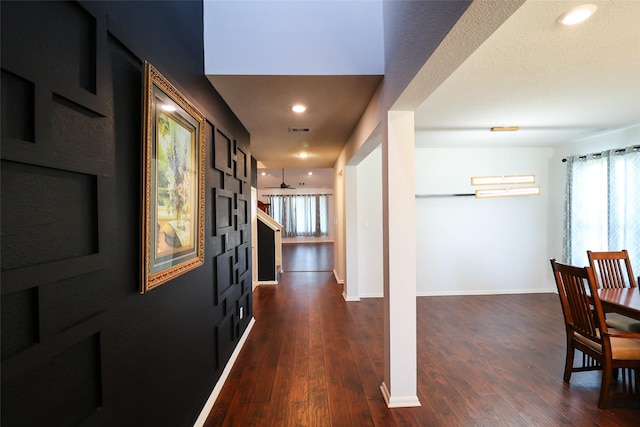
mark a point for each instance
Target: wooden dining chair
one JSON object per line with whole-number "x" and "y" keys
{"x": 612, "y": 269}
{"x": 587, "y": 331}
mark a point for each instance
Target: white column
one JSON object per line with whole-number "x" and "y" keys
{"x": 399, "y": 228}
{"x": 351, "y": 285}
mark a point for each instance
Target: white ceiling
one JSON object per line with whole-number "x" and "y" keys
{"x": 558, "y": 84}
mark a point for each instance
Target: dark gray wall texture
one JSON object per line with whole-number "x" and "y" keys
{"x": 80, "y": 344}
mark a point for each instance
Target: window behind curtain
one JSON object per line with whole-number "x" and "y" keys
{"x": 603, "y": 205}
{"x": 301, "y": 214}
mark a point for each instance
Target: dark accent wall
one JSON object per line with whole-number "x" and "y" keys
{"x": 80, "y": 344}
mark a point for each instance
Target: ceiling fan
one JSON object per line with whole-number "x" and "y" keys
{"x": 284, "y": 186}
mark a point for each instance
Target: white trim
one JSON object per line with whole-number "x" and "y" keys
{"x": 269, "y": 283}
{"x": 335, "y": 275}
{"x": 374, "y": 295}
{"x": 463, "y": 293}
{"x": 487, "y": 292}
{"x": 208, "y": 406}
{"x": 292, "y": 241}
{"x": 254, "y": 238}
{"x": 398, "y": 402}
{"x": 344, "y": 295}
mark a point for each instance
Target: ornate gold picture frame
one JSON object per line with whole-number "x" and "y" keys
{"x": 173, "y": 182}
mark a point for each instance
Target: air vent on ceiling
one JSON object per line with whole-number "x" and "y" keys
{"x": 299, "y": 129}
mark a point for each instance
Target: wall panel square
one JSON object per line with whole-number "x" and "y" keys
{"x": 47, "y": 215}
{"x": 223, "y": 208}
{"x": 19, "y": 321}
{"x": 64, "y": 390}
{"x": 222, "y": 152}
{"x": 18, "y": 112}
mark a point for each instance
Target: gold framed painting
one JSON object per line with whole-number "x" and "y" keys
{"x": 173, "y": 182}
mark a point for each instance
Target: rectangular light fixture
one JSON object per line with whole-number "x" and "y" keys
{"x": 507, "y": 192}
{"x": 508, "y": 179}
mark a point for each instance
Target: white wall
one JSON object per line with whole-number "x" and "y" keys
{"x": 293, "y": 37}
{"x": 480, "y": 246}
{"x": 369, "y": 223}
{"x": 471, "y": 246}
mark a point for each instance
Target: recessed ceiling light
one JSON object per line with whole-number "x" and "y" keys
{"x": 264, "y": 173}
{"x": 310, "y": 173}
{"x": 303, "y": 155}
{"x": 577, "y": 14}
{"x": 299, "y": 108}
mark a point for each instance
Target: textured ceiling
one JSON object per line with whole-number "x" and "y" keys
{"x": 557, "y": 83}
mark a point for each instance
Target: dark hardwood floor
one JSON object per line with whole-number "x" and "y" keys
{"x": 314, "y": 360}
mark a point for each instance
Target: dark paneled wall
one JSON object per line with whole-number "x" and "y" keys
{"x": 80, "y": 344}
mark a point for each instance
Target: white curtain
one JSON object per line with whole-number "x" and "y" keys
{"x": 603, "y": 205}
{"x": 301, "y": 214}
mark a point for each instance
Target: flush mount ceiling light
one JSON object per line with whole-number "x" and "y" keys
{"x": 507, "y": 179}
{"x": 507, "y": 192}
{"x": 299, "y": 108}
{"x": 577, "y": 14}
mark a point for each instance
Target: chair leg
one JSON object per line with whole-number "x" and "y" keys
{"x": 568, "y": 363}
{"x": 605, "y": 386}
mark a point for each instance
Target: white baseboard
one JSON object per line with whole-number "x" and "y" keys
{"x": 335, "y": 275}
{"x": 398, "y": 402}
{"x": 344, "y": 295}
{"x": 458, "y": 293}
{"x": 485, "y": 292}
{"x": 208, "y": 406}
{"x": 268, "y": 283}
{"x": 376, "y": 295}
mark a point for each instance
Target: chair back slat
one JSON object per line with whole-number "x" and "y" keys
{"x": 583, "y": 313}
{"x": 612, "y": 269}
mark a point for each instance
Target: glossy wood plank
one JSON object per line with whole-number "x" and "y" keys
{"x": 314, "y": 360}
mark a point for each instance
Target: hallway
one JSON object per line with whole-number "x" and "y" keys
{"x": 496, "y": 360}
{"x": 305, "y": 361}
